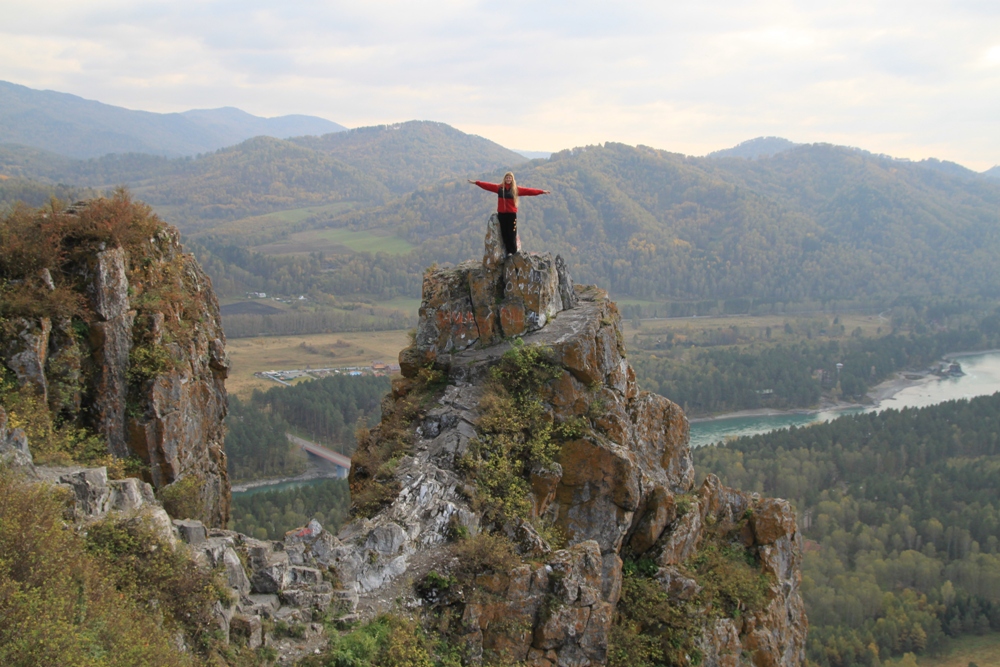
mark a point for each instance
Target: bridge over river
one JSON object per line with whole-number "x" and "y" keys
{"x": 322, "y": 452}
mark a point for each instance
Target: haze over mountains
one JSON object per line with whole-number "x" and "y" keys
{"x": 768, "y": 219}
{"x": 73, "y": 126}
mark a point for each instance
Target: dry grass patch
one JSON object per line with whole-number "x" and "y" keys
{"x": 267, "y": 353}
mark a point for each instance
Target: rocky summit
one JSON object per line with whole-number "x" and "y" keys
{"x": 518, "y": 426}
{"x": 476, "y": 305}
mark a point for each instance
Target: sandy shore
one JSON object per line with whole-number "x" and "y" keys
{"x": 880, "y": 392}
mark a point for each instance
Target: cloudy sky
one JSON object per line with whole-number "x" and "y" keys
{"x": 910, "y": 78}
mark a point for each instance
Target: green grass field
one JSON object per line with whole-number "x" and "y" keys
{"x": 336, "y": 240}
{"x": 269, "y": 222}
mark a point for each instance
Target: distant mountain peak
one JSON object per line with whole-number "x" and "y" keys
{"x": 993, "y": 172}
{"x": 72, "y": 126}
{"x": 753, "y": 149}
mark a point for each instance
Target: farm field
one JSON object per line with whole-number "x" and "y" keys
{"x": 403, "y": 303}
{"x": 251, "y": 355}
{"x": 983, "y": 651}
{"x": 336, "y": 241}
{"x": 269, "y": 222}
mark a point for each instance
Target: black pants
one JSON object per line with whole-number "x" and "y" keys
{"x": 508, "y": 231}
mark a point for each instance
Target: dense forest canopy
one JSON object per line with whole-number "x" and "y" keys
{"x": 811, "y": 222}
{"x": 711, "y": 379}
{"x": 901, "y": 511}
{"x": 407, "y": 156}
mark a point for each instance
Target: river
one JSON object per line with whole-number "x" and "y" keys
{"x": 282, "y": 485}
{"x": 982, "y": 377}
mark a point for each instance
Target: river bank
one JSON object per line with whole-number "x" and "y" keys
{"x": 906, "y": 389}
{"x": 883, "y": 391}
{"x": 308, "y": 476}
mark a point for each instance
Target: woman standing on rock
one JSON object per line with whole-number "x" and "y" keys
{"x": 507, "y": 197}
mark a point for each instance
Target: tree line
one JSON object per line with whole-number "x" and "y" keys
{"x": 256, "y": 444}
{"x": 328, "y": 409}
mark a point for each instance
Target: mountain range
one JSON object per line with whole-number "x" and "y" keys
{"x": 76, "y": 127}
{"x": 768, "y": 220}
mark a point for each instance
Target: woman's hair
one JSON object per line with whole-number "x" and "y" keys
{"x": 513, "y": 186}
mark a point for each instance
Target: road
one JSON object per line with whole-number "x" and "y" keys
{"x": 321, "y": 451}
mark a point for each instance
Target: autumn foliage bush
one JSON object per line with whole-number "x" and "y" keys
{"x": 57, "y": 603}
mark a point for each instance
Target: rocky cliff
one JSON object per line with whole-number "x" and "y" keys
{"x": 521, "y": 497}
{"x": 108, "y": 324}
{"x": 540, "y": 507}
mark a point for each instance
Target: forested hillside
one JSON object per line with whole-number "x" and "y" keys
{"x": 329, "y": 409}
{"x": 901, "y": 510}
{"x": 407, "y": 156}
{"x": 814, "y": 222}
{"x": 263, "y": 174}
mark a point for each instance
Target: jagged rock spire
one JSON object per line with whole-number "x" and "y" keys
{"x": 479, "y": 304}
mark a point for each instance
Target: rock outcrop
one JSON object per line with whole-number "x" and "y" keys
{"x": 267, "y": 581}
{"x": 479, "y": 304}
{"x": 620, "y": 485}
{"x": 141, "y": 361}
{"x": 14, "y": 450}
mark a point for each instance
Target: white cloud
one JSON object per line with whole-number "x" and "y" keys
{"x": 904, "y": 77}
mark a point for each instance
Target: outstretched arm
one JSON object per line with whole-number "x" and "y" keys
{"x": 492, "y": 187}
{"x": 531, "y": 192}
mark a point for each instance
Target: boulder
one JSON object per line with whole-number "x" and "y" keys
{"x": 552, "y": 612}
{"x": 531, "y": 295}
{"x": 246, "y": 631}
{"x": 130, "y": 495}
{"x": 25, "y": 353}
{"x": 14, "y": 450}
{"x": 191, "y": 531}
{"x": 447, "y": 321}
{"x": 660, "y": 510}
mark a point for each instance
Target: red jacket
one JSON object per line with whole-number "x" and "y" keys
{"x": 505, "y": 198}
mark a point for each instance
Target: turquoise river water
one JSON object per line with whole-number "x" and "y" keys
{"x": 982, "y": 377}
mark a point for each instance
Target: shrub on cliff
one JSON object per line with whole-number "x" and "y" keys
{"x": 58, "y": 605}
{"x": 157, "y": 578}
{"x": 653, "y": 628}
{"x": 387, "y": 641}
{"x": 515, "y": 433}
{"x": 49, "y": 238}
